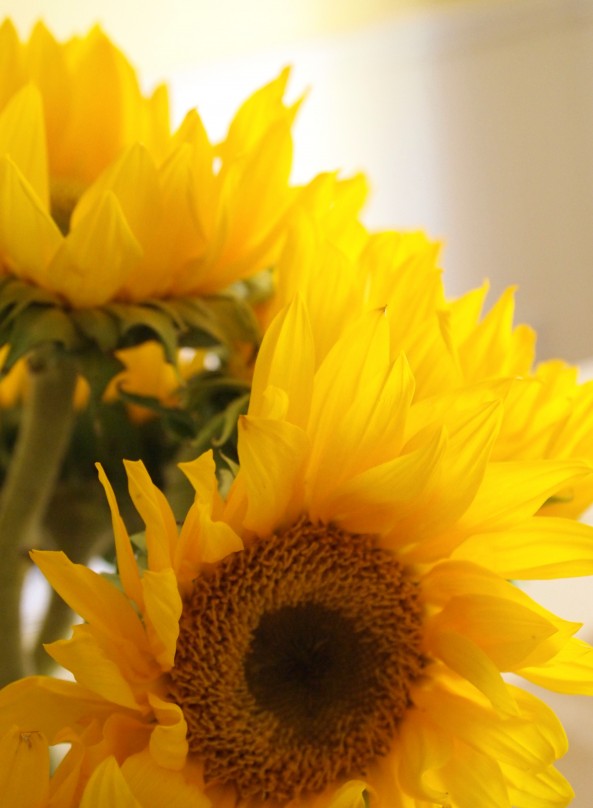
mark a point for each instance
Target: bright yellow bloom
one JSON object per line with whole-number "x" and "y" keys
{"x": 450, "y": 344}
{"x": 100, "y": 203}
{"x": 333, "y": 633}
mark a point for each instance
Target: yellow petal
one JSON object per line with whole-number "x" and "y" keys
{"x": 29, "y": 238}
{"x": 541, "y": 547}
{"x": 467, "y": 659}
{"x": 48, "y": 705}
{"x": 506, "y": 631}
{"x": 201, "y": 473}
{"x": 133, "y": 179}
{"x": 152, "y": 505}
{"x": 12, "y": 63}
{"x": 107, "y": 786}
{"x": 370, "y": 431}
{"x": 253, "y": 117}
{"x": 537, "y": 789}
{"x": 253, "y": 214}
{"x": 518, "y": 740}
{"x": 364, "y": 351}
{"x": 96, "y": 257}
{"x": 274, "y": 366}
{"x": 92, "y": 668}
{"x": 452, "y": 579}
{"x": 162, "y": 612}
{"x": 512, "y": 491}
{"x": 157, "y": 787}
{"x": 379, "y": 499}
{"x": 203, "y": 541}
{"x": 126, "y": 563}
{"x": 168, "y": 740}
{"x": 22, "y": 137}
{"x": 176, "y": 240}
{"x": 423, "y": 748}
{"x": 92, "y": 597}
{"x": 49, "y": 71}
{"x": 272, "y": 456}
{"x": 24, "y": 768}
{"x": 473, "y": 779}
{"x": 105, "y": 119}
{"x": 569, "y": 671}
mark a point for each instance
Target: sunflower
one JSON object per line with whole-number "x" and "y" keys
{"x": 332, "y": 633}
{"x": 451, "y": 344}
{"x": 120, "y": 208}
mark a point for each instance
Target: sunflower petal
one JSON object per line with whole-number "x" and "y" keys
{"x": 157, "y": 787}
{"x": 162, "y": 612}
{"x": 289, "y": 329}
{"x": 126, "y": 563}
{"x": 473, "y": 779}
{"x": 91, "y": 596}
{"x": 151, "y": 504}
{"x": 29, "y": 238}
{"x": 506, "y": 631}
{"x": 48, "y": 705}
{"x": 272, "y": 455}
{"x": 107, "y": 786}
{"x": 423, "y": 748}
{"x": 541, "y": 547}
{"x": 92, "y": 668}
{"x": 22, "y": 136}
{"x": 103, "y": 247}
{"x": 568, "y": 671}
{"x": 168, "y": 740}
{"x": 467, "y": 659}
{"x": 24, "y": 768}
{"x": 537, "y": 789}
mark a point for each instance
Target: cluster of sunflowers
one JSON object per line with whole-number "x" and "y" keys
{"x": 320, "y": 611}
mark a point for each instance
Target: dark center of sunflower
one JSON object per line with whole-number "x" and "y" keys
{"x": 295, "y": 660}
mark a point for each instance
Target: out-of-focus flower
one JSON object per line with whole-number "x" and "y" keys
{"x": 101, "y": 203}
{"x": 328, "y": 634}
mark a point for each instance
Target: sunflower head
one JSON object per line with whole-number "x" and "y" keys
{"x": 113, "y": 230}
{"x": 335, "y": 629}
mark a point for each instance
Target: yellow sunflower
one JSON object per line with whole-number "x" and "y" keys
{"x": 101, "y": 203}
{"x": 450, "y": 343}
{"x": 331, "y": 634}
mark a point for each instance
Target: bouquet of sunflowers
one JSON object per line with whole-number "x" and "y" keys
{"x": 323, "y": 478}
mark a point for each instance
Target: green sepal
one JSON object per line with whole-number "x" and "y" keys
{"x": 31, "y": 318}
{"x": 178, "y": 421}
{"x": 38, "y": 326}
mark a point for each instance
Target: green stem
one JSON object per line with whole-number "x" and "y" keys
{"x": 46, "y": 425}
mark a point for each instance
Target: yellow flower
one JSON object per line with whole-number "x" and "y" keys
{"x": 450, "y": 344}
{"x": 99, "y": 203}
{"x": 333, "y": 633}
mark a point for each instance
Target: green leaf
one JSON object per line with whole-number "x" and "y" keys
{"x": 98, "y": 368}
{"x": 99, "y": 326}
{"x": 37, "y": 326}
{"x": 141, "y": 323}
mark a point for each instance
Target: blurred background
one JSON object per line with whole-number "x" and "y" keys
{"x": 472, "y": 119}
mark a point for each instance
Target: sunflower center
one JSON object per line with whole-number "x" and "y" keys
{"x": 295, "y": 660}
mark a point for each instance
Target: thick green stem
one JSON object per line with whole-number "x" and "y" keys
{"x": 46, "y": 425}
